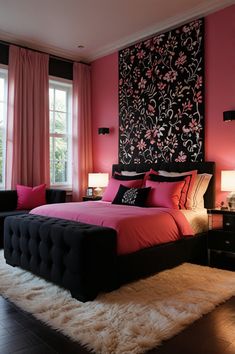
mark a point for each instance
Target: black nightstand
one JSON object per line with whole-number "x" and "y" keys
{"x": 88, "y": 198}
{"x": 221, "y": 235}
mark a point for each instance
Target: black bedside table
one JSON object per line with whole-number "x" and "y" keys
{"x": 221, "y": 234}
{"x": 88, "y": 198}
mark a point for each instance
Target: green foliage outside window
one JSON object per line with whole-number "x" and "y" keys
{"x": 58, "y": 139}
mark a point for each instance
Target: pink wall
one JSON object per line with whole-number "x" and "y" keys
{"x": 219, "y": 96}
{"x": 104, "y": 73}
{"x": 220, "y": 91}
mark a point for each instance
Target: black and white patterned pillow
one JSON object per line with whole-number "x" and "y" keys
{"x": 131, "y": 196}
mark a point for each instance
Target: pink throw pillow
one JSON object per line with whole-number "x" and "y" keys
{"x": 186, "y": 199}
{"x": 185, "y": 191}
{"x": 164, "y": 194}
{"x": 30, "y": 197}
{"x": 113, "y": 187}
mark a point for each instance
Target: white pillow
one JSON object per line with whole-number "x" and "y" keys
{"x": 199, "y": 189}
{"x": 174, "y": 174}
{"x": 131, "y": 173}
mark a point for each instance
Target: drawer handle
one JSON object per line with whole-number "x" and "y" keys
{"x": 227, "y": 223}
{"x": 227, "y": 242}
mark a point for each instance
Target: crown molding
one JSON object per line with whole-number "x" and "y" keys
{"x": 170, "y": 23}
{"x": 20, "y": 41}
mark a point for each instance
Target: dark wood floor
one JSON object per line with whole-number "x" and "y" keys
{"x": 21, "y": 333}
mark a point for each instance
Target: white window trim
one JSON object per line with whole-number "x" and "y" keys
{"x": 59, "y": 83}
{"x": 4, "y": 74}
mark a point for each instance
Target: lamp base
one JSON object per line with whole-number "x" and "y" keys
{"x": 97, "y": 192}
{"x": 231, "y": 201}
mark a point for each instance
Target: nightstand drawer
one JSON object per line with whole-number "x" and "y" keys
{"x": 229, "y": 222}
{"x": 221, "y": 240}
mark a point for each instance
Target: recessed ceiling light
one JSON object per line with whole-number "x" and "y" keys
{"x": 80, "y": 46}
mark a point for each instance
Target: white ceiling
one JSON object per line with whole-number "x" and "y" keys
{"x": 102, "y": 26}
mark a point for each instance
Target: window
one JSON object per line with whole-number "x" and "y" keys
{"x": 60, "y": 98}
{"x": 3, "y": 120}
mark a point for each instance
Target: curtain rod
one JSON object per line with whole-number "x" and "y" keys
{"x": 40, "y": 51}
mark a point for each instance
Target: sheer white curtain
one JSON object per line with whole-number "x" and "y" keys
{"x": 82, "y": 129}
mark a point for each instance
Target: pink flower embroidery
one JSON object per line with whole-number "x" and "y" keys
{"x": 194, "y": 126}
{"x": 181, "y": 157}
{"x": 170, "y": 76}
{"x": 142, "y": 83}
{"x": 141, "y": 54}
{"x": 149, "y": 73}
{"x": 187, "y": 106}
{"x": 198, "y": 97}
{"x": 181, "y": 60}
{"x": 161, "y": 86}
{"x": 198, "y": 82}
{"x": 132, "y": 58}
{"x": 151, "y": 109}
{"x": 141, "y": 145}
{"x": 151, "y": 135}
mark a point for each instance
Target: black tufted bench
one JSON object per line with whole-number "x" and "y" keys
{"x": 8, "y": 204}
{"x": 77, "y": 256}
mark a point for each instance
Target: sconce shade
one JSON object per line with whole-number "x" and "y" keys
{"x": 98, "y": 180}
{"x": 228, "y": 181}
{"x": 103, "y": 130}
{"x": 229, "y": 115}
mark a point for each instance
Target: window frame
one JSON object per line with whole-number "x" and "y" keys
{"x": 3, "y": 128}
{"x": 66, "y": 85}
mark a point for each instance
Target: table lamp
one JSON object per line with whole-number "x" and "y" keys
{"x": 98, "y": 181}
{"x": 228, "y": 185}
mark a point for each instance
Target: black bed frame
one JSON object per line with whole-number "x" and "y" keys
{"x": 190, "y": 249}
{"x": 83, "y": 258}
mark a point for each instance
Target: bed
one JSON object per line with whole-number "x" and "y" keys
{"x": 84, "y": 257}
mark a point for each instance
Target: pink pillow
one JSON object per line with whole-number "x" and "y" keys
{"x": 114, "y": 184}
{"x": 185, "y": 191}
{"x": 164, "y": 194}
{"x": 29, "y": 198}
{"x": 186, "y": 198}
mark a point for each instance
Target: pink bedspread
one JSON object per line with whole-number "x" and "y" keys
{"x": 136, "y": 227}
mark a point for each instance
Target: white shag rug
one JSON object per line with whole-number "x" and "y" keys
{"x": 133, "y": 319}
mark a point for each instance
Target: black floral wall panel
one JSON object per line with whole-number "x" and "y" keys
{"x": 161, "y": 101}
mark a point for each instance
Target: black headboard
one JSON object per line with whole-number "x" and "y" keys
{"x": 201, "y": 167}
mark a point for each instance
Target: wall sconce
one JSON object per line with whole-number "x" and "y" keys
{"x": 103, "y": 131}
{"x": 229, "y": 115}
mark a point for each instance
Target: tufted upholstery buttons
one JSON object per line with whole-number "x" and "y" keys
{"x": 77, "y": 256}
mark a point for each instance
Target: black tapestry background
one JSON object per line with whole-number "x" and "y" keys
{"x": 161, "y": 97}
